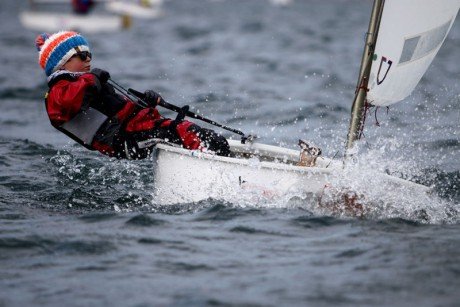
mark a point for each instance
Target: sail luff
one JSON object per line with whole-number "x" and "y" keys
{"x": 363, "y": 79}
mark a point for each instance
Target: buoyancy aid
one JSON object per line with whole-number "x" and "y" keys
{"x": 84, "y": 126}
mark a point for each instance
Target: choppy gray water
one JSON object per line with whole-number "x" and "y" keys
{"x": 79, "y": 229}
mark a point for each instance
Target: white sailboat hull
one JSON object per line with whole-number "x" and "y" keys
{"x": 52, "y": 22}
{"x": 184, "y": 176}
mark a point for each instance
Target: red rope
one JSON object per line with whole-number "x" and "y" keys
{"x": 363, "y": 121}
{"x": 362, "y": 85}
{"x": 367, "y": 107}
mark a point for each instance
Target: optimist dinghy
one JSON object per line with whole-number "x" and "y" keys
{"x": 257, "y": 170}
{"x": 402, "y": 40}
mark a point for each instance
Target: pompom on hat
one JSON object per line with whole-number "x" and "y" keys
{"x": 56, "y": 49}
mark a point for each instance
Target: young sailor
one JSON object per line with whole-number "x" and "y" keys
{"x": 81, "y": 104}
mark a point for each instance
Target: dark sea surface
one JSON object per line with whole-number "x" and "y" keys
{"x": 81, "y": 229}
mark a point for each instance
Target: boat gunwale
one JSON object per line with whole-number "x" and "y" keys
{"x": 246, "y": 162}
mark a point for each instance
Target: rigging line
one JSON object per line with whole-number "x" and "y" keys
{"x": 375, "y": 116}
{"x": 336, "y": 153}
{"x": 363, "y": 85}
{"x": 377, "y": 123}
{"x": 363, "y": 121}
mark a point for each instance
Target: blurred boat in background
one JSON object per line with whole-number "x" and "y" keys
{"x": 146, "y": 9}
{"x": 281, "y": 2}
{"x": 52, "y": 16}
{"x": 52, "y": 22}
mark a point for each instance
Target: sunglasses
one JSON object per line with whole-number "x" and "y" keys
{"x": 83, "y": 55}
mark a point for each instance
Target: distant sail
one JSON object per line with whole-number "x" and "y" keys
{"x": 411, "y": 33}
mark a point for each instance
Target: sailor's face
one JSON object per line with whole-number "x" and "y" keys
{"x": 79, "y": 62}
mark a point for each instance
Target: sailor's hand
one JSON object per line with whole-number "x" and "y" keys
{"x": 101, "y": 74}
{"x": 152, "y": 97}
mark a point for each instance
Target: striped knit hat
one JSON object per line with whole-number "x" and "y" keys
{"x": 56, "y": 49}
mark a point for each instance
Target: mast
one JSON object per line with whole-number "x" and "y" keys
{"x": 357, "y": 109}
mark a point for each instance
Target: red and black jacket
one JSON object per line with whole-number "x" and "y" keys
{"x": 71, "y": 93}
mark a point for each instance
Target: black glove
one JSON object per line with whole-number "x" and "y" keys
{"x": 179, "y": 118}
{"x": 101, "y": 74}
{"x": 152, "y": 97}
{"x": 182, "y": 113}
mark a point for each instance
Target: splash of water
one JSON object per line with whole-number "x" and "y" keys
{"x": 365, "y": 186}
{"x": 98, "y": 183}
{"x": 361, "y": 190}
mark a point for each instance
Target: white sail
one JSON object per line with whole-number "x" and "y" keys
{"x": 410, "y": 35}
